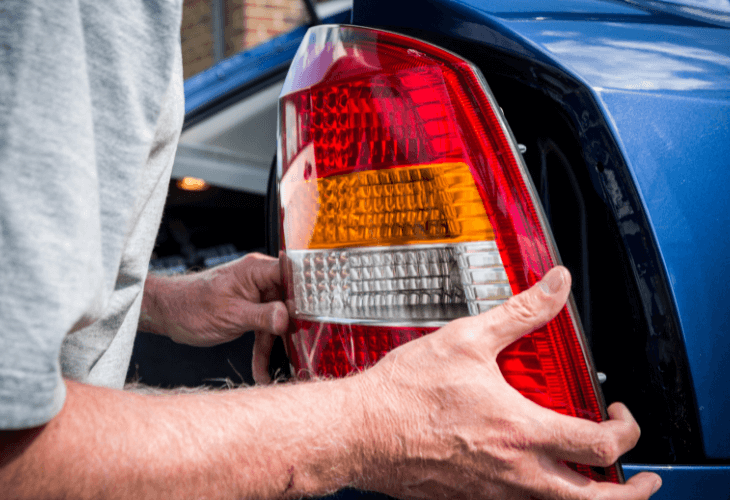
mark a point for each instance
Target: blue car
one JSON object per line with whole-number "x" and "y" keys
{"x": 608, "y": 126}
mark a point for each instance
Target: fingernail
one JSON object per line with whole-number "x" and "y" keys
{"x": 553, "y": 281}
{"x": 656, "y": 487}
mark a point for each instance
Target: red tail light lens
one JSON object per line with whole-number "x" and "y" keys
{"x": 405, "y": 204}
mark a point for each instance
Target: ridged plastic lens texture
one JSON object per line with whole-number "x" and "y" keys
{"x": 431, "y": 203}
{"x": 361, "y": 345}
{"x": 396, "y": 284}
{"x": 404, "y": 204}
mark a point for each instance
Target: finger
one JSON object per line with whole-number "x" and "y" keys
{"x": 262, "y": 345}
{"x": 270, "y": 317}
{"x": 590, "y": 443}
{"x": 257, "y": 277}
{"x": 645, "y": 481}
{"x": 639, "y": 487}
{"x": 528, "y": 310}
{"x": 264, "y": 270}
{"x": 563, "y": 482}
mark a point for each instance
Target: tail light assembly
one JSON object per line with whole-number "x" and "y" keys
{"x": 404, "y": 203}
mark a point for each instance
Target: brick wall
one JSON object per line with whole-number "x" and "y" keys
{"x": 196, "y": 35}
{"x": 247, "y": 23}
{"x": 265, "y": 19}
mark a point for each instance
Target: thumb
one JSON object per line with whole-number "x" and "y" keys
{"x": 269, "y": 317}
{"x": 262, "y": 346}
{"x": 529, "y": 310}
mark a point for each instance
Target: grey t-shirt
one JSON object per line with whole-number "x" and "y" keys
{"x": 91, "y": 107}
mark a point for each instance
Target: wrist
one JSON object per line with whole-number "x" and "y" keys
{"x": 163, "y": 303}
{"x": 151, "y": 313}
{"x": 345, "y": 435}
{"x": 381, "y": 431}
{"x": 322, "y": 452}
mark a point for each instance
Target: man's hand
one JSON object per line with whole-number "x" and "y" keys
{"x": 446, "y": 424}
{"x": 219, "y": 305}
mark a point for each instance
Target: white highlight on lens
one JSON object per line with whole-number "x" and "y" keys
{"x": 412, "y": 282}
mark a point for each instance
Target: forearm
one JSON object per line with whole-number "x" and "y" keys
{"x": 286, "y": 442}
{"x": 161, "y": 302}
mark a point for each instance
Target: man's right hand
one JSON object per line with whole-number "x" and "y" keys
{"x": 442, "y": 422}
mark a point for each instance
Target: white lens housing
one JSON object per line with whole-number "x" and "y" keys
{"x": 425, "y": 283}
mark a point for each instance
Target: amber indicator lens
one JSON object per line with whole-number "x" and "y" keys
{"x": 408, "y": 205}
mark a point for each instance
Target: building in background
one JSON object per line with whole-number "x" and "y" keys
{"x": 215, "y": 29}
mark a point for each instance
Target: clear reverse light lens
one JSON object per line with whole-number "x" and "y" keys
{"x": 403, "y": 283}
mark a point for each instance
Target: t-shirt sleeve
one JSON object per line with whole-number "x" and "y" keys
{"x": 50, "y": 249}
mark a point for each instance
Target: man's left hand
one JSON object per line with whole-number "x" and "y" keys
{"x": 219, "y": 305}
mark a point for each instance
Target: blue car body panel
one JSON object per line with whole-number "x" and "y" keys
{"x": 663, "y": 85}
{"x": 687, "y": 483}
